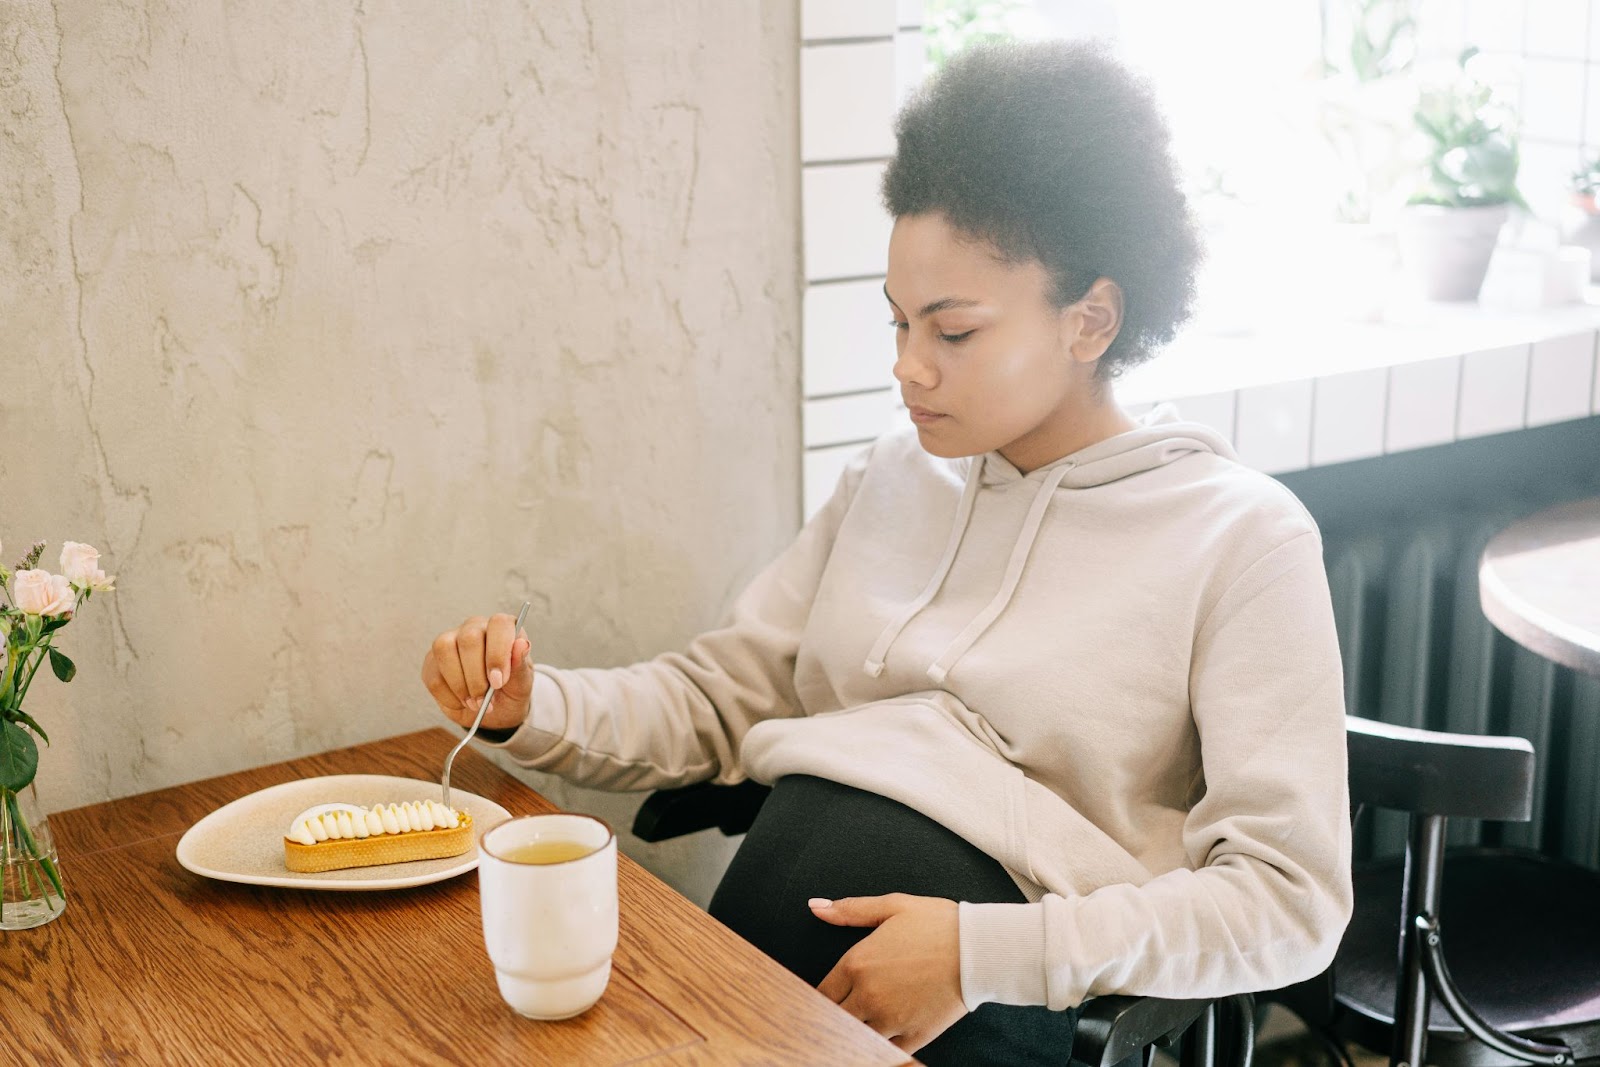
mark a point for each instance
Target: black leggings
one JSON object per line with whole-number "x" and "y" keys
{"x": 816, "y": 838}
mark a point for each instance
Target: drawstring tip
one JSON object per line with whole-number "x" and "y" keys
{"x": 937, "y": 674}
{"x": 872, "y": 669}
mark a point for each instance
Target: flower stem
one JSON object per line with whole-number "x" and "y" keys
{"x": 32, "y": 844}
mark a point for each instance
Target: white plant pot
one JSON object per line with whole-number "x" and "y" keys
{"x": 1447, "y": 249}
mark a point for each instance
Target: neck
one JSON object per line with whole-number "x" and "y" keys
{"x": 1071, "y": 429}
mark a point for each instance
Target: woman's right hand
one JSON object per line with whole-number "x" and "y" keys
{"x": 482, "y": 653}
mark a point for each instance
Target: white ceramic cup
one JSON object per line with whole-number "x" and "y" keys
{"x": 550, "y": 927}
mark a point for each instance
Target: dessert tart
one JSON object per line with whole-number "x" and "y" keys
{"x": 330, "y": 837}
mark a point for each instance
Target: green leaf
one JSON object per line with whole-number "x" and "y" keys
{"x": 35, "y": 727}
{"x": 63, "y": 666}
{"x": 19, "y": 757}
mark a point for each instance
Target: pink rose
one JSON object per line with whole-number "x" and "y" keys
{"x": 42, "y": 593}
{"x": 80, "y": 564}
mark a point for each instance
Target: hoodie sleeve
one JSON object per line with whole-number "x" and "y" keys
{"x": 1269, "y": 895}
{"x": 680, "y": 718}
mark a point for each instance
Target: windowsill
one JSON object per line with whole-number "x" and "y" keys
{"x": 1198, "y": 364}
{"x": 1310, "y": 394}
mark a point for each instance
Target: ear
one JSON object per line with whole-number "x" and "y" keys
{"x": 1098, "y": 316}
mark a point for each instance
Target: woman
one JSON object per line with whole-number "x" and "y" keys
{"x": 1051, "y": 698}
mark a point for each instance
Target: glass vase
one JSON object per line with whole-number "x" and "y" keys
{"x": 30, "y": 878}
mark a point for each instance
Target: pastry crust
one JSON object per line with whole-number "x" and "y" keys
{"x": 378, "y": 849}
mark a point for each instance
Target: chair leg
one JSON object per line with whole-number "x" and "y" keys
{"x": 1200, "y": 1043}
{"x": 1236, "y": 1031}
{"x": 1419, "y": 895}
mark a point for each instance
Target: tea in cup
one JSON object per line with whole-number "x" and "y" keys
{"x": 548, "y": 887}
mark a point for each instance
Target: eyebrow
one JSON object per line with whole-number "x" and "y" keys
{"x": 944, "y": 304}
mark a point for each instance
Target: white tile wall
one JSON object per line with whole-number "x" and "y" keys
{"x": 1495, "y": 25}
{"x": 860, "y": 417}
{"x": 849, "y": 345}
{"x": 1552, "y": 94}
{"x": 1557, "y": 28}
{"x": 1348, "y": 416}
{"x": 1591, "y": 109}
{"x": 1422, "y": 404}
{"x": 1543, "y": 172}
{"x": 820, "y": 472}
{"x": 1215, "y": 410}
{"x": 823, "y": 19}
{"x": 1272, "y": 431}
{"x": 847, "y": 99}
{"x": 1560, "y": 379}
{"x": 1441, "y": 29}
{"x": 1494, "y": 391}
{"x": 846, "y": 230}
{"x": 910, "y": 63}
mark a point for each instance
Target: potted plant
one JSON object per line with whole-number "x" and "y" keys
{"x": 1449, "y": 226}
{"x": 1583, "y": 229}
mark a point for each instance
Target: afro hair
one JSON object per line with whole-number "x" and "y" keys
{"x": 1054, "y": 151}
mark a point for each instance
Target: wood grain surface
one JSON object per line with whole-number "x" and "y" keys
{"x": 153, "y": 964}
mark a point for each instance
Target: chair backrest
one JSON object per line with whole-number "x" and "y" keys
{"x": 1428, "y": 772}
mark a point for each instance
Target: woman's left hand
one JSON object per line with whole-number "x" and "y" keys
{"x": 904, "y": 978}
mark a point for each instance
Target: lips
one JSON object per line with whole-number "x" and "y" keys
{"x": 921, "y": 415}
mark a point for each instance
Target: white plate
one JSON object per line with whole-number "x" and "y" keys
{"x": 243, "y": 841}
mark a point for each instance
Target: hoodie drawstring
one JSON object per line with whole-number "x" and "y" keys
{"x": 880, "y": 647}
{"x": 1019, "y": 559}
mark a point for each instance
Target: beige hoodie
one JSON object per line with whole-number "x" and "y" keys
{"x": 1117, "y": 675}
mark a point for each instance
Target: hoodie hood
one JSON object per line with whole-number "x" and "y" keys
{"x": 1159, "y": 438}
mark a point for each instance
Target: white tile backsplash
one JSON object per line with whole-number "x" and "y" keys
{"x": 1495, "y": 25}
{"x": 847, "y": 98}
{"x": 1422, "y": 404}
{"x": 823, "y": 19}
{"x": 1347, "y": 416}
{"x": 861, "y": 417}
{"x": 820, "y": 470}
{"x": 846, "y": 229}
{"x": 1494, "y": 391}
{"x": 849, "y": 345}
{"x": 1552, "y": 94}
{"x": 1215, "y": 410}
{"x": 910, "y": 63}
{"x": 1557, "y": 28}
{"x": 1441, "y": 28}
{"x": 1544, "y": 172}
{"x": 1560, "y": 379}
{"x": 1272, "y": 431}
{"x": 1591, "y": 109}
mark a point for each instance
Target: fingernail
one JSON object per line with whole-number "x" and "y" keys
{"x": 819, "y": 902}
{"x": 496, "y": 679}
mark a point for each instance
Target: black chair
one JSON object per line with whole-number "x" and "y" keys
{"x": 1522, "y": 984}
{"x": 1113, "y": 1031}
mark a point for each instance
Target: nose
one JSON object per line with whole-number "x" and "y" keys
{"x": 910, "y": 366}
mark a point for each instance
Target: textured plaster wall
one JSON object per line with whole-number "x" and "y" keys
{"x": 330, "y": 324}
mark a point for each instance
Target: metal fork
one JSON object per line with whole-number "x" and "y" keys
{"x": 488, "y": 698}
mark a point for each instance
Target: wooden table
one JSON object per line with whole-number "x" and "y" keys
{"x": 1539, "y": 583}
{"x": 153, "y": 964}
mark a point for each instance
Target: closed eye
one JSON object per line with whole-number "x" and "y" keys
{"x": 956, "y": 338}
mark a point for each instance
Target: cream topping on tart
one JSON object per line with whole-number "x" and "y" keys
{"x": 339, "y": 822}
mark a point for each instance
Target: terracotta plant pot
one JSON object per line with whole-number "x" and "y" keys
{"x": 1447, "y": 249}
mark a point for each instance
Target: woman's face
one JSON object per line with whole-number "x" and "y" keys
{"x": 985, "y": 361}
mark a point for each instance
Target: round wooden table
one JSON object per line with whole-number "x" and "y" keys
{"x": 1539, "y": 582}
